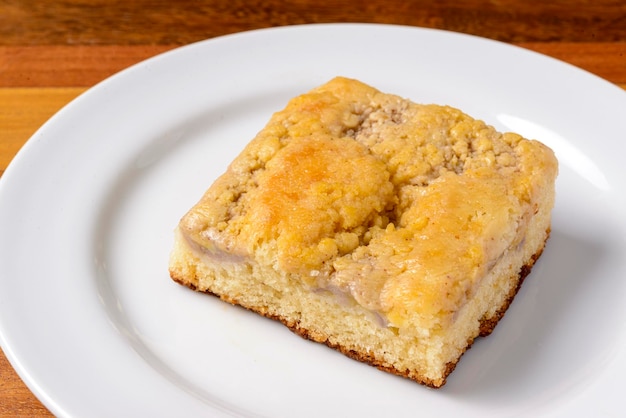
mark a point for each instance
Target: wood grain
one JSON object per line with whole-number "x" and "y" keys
{"x": 112, "y": 22}
{"x": 50, "y": 52}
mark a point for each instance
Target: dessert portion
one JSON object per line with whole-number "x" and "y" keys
{"x": 392, "y": 231}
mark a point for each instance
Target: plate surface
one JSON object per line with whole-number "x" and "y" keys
{"x": 93, "y": 324}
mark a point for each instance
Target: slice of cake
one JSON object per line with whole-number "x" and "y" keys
{"x": 391, "y": 231}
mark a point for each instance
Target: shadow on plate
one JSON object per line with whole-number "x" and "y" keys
{"x": 550, "y": 343}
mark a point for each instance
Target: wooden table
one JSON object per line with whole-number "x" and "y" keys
{"x": 50, "y": 52}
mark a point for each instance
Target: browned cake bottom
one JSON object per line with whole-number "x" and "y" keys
{"x": 487, "y": 325}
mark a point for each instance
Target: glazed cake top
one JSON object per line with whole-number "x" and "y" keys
{"x": 401, "y": 205}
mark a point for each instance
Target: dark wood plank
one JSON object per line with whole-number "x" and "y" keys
{"x": 102, "y": 22}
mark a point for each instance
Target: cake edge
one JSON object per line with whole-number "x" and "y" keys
{"x": 486, "y": 327}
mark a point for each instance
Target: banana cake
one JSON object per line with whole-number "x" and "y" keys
{"x": 392, "y": 231}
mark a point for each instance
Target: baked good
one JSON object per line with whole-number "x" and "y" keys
{"x": 391, "y": 231}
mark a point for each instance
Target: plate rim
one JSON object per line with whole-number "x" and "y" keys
{"x": 24, "y": 153}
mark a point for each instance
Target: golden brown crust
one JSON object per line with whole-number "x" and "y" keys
{"x": 354, "y": 189}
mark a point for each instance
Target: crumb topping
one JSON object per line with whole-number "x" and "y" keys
{"x": 401, "y": 205}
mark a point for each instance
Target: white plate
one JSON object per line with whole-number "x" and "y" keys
{"x": 93, "y": 324}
